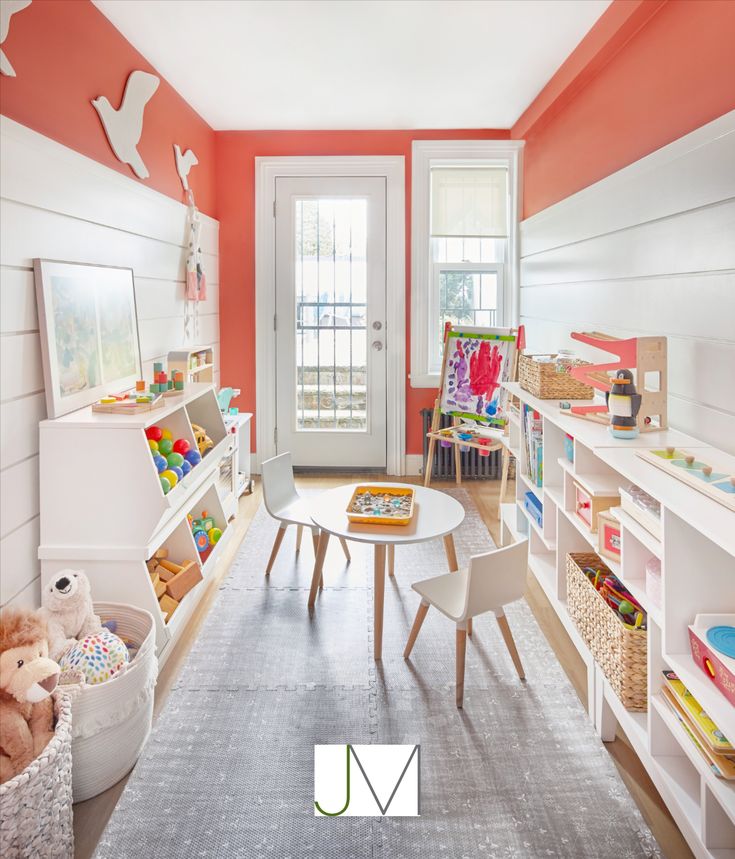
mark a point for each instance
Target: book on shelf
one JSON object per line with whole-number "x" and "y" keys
{"x": 709, "y": 741}
{"x": 534, "y": 444}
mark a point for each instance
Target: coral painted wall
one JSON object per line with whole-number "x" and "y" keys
{"x": 235, "y": 156}
{"x": 65, "y": 53}
{"x": 648, "y": 72}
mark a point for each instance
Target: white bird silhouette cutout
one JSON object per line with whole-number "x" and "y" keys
{"x": 124, "y": 126}
{"x": 184, "y": 163}
{"x": 8, "y": 8}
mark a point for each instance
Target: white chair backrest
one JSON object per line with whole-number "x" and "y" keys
{"x": 279, "y": 489}
{"x": 496, "y": 578}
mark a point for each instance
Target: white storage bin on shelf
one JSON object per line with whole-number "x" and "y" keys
{"x": 111, "y": 721}
{"x": 102, "y": 506}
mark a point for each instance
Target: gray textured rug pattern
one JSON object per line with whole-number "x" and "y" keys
{"x": 227, "y": 771}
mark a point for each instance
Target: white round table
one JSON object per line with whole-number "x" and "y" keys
{"x": 435, "y": 515}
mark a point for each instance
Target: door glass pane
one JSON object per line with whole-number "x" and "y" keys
{"x": 331, "y": 314}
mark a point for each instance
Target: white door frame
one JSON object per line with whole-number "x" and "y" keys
{"x": 267, "y": 170}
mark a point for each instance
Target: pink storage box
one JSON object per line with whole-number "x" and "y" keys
{"x": 719, "y": 668}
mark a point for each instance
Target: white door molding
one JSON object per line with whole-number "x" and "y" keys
{"x": 267, "y": 169}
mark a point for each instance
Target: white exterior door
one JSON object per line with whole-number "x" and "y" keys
{"x": 330, "y": 320}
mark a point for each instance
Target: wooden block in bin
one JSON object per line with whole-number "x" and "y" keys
{"x": 163, "y": 574}
{"x": 152, "y": 564}
{"x": 159, "y": 587}
{"x": 168, "y": 606}
{"x": 169, "y": 565}
{"x": 183, "y": 582}
{"x": 161, "y": 553}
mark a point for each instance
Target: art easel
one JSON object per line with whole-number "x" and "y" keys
{"x": 436, "y": 434}
{"x": 645, "y": 355}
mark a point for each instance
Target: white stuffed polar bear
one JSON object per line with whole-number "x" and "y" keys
{"x": 67, "y": 610}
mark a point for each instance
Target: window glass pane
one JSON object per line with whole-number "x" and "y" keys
{"x": 465, "y": 298}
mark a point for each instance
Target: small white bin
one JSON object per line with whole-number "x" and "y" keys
{"x": 112, "y": 720}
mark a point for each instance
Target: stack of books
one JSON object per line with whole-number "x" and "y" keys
{"x": 534, "y": 438}
{"x": 709, "y": 740}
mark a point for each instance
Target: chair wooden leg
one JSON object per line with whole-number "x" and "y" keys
{"x": 392, "y": 560}
{"x": 345, "y": 549}
{"x": 461, "y": 648}
{"x": 416, "y": 628}
{"x": 378, "y": 599}
{"x": 510, "y": 644}
{"x": 315, "y": 541}
{"x": 276, "y": 546}
{"x": 429, "y": 464}
{"x": 299, "y": 533}
{"x": 316, "y": 578}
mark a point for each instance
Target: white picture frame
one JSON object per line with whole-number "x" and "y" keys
{"x": 88, "y": 323}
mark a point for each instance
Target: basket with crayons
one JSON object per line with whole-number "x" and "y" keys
{"x": 612, "y": 624}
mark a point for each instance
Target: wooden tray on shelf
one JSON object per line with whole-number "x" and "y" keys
{"x": 401, "y": 517}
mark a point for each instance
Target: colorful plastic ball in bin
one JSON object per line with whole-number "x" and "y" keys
{"x": 171, "y": 476}
{"x": 186, "y": 467}
{"x": 160, "y": 463}
{"x": 165, "y": 484}
{"x": 193, "y": 457}
{"x": 154, "y": 433}
{"x": 177, "y": 470}
{"x": 174, "y": 459}
{"x": 165, "y": 446}
{"x": 153, "y": 445}
{"x": 202, "y": 540}
{"x": 167, "y": 434}
{"x": 214, "y": 534}
{"x": 182, "y": 446}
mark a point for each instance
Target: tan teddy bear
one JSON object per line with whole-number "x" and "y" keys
{"x": 67, "y": 610}
{"x": 27, "y": 679}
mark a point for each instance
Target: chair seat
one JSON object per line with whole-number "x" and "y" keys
{"x": 446, "y": 592}
{"x": 296, "y": 513}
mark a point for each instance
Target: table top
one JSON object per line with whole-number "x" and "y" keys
{"x": 435, "y": 515}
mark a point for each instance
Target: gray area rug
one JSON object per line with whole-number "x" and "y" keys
{"x": 228, "y": 770}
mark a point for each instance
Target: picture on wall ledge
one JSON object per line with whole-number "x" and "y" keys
{"x": 89, "y": 332}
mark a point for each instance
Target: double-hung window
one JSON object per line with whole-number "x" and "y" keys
{"x": 464, "y": 217}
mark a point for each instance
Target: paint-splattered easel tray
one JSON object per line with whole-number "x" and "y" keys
{"x": 709, "y": 471}
{"x": 387, "y": 505}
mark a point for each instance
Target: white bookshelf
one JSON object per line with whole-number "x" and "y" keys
{"x": 697, "y": 554}
{"x": 196, "y": 363}
{"x": 103, "y": 509}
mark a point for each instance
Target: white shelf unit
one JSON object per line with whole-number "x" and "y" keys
{"x": 234, "y": 477}
{"x": 697, "y": 554}
{"x": 196, "y": 363}
{"x": 103, "y": 509}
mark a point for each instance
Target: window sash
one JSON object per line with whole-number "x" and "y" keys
{"x": 437, "y": 269}
{"x": 469, "y": 202}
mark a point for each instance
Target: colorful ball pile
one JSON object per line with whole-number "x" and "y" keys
{"x": 173, "y": 458}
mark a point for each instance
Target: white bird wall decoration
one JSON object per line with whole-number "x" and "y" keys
{"x": 184, "y": 163}
{"x": 8, "y": 8}
{"x": 124, "y": 126}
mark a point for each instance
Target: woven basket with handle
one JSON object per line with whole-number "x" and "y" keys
{"x": 618, "y": 650}
{"x": 550, "y": 380}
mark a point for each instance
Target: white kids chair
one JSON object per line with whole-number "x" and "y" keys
{"x": 284, "y": 503}
{"x": 491, "y": 581}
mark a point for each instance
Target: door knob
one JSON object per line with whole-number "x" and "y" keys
{"x": 377, "y": 345}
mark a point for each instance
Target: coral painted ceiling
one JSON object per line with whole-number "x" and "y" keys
{"x": 356, "y": 64}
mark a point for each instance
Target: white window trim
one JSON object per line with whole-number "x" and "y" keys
{"x": 267, "y": 169}
{"x": 506, "y": 152}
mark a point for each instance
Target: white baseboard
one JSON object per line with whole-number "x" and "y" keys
{"x": 414, "y": 463}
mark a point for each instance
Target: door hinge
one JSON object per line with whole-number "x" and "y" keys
{"x": 274, "y": 208}
{"x": 275, "y": 322}
{"x": 275, "y": 435}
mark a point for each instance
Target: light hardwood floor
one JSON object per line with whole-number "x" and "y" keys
{"x": 91, "y": 817}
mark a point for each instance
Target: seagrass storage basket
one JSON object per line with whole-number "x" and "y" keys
{"x": 550, "y": 380}
{"x": 112, "y": 720}
{"x": 35, "y": 806}
{"x": 618, "y": 650}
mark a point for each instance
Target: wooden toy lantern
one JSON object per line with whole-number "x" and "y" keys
{"x": 645, "y": 355}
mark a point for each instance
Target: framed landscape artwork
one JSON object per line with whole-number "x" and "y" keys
{"x": 89, "y": 332}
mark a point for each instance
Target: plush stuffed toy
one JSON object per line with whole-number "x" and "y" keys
{"x": 67, "y": 609}
{"x": 27, "y": 679}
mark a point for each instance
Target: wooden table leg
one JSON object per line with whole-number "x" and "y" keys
{"x": 392, "y": 560}
{"x": 378, "y": 597}
{"x": 454, "y": 567}
{"x": 318, "y": 564}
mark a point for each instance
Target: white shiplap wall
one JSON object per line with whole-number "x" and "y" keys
{"x": 58, "y": 204}
{"x": 648, "y": 250}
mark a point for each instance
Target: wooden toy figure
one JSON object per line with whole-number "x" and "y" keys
{"x": 623, "y": 404}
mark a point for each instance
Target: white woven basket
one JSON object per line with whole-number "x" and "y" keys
{"x": 112, "y": 720}
{"x": 35, "y": 806}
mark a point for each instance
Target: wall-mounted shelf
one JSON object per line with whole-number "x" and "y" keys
{"x": 697, "y": 554}
{"x": 195, "y": 362}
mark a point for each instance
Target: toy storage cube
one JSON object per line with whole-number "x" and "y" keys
{"x": 588, "y": 506}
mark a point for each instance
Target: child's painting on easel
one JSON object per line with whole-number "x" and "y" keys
{"x": 477, "y": 361}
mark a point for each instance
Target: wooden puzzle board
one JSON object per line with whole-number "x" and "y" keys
{"x": 129, "y": 407}
{"x": 690, "y": 468}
